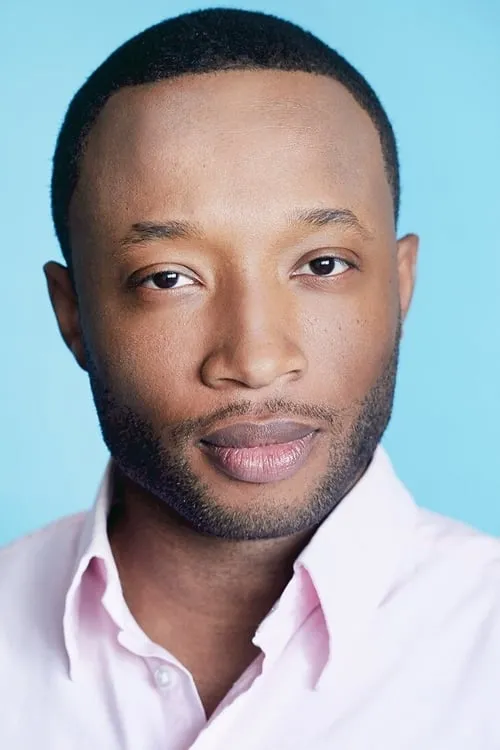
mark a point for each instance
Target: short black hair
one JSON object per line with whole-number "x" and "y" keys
{"x": 204, "y": 41}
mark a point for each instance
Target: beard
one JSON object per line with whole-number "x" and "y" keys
{"x": 156, "y": 462}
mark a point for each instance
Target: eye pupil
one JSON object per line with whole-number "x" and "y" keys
{"x": 322, "y": 266}
{"x": 165, "y": 279}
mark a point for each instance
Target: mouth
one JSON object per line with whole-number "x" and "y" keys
{"x": 259, "y": 452}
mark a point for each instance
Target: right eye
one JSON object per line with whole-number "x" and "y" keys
{"x": 161, "y": 280}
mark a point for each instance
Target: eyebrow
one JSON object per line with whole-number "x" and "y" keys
{"x": 322, "y": 217}
{"x": 145, "y": 231}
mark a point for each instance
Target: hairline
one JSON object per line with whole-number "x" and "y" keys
{"x": 90, "y": 124}
{"x": 234, "y": 68}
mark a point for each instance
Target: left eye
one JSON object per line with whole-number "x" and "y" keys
{"x": 166, "y": 280}
{"x": 326, "y": 265}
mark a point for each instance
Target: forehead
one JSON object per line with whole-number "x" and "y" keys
{"x": 252, "y": 142}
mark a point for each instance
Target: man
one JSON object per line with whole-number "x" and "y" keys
{"x": 253, "y": 575}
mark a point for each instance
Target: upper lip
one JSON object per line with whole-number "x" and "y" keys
{"x": 252, "y": 434}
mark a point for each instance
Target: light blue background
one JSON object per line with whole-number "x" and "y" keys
{"x": 436, "y": 67}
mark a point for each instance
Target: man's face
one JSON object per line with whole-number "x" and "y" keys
{"x": 235, "y": 261}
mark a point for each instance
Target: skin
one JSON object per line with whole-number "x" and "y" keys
{"x": 249, "y": 331}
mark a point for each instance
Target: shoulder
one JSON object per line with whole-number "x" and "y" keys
{"x": 62, "y": 533}
{"x": 35, "y": 576}
{"x": 454, "y": 570}
{"x": 445, "y": 542}
{"x": 36, "y": 570}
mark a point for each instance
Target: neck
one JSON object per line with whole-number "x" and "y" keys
{"x": 174, "y": 577}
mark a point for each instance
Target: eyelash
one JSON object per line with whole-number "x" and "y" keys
{"x": 348, "y": 266}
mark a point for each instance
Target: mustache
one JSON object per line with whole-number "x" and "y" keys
{"x": 277, "y": 407}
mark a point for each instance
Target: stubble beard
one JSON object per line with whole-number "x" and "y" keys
{"x": 158, "y": 466}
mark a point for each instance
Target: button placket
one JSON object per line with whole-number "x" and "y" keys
{"x": 164, "y": 677}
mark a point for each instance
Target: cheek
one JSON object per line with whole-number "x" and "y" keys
{"x": 147, "y": 362}
{"x": 349, "y": 348}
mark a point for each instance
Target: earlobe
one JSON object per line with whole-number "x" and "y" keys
{"x": 407, "y": 271}
{"x": 65, "y": 305}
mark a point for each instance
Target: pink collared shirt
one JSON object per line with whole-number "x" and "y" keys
{"x": 386, "y": 638}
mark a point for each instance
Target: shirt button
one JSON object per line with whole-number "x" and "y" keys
{"x": 163, "y": 677}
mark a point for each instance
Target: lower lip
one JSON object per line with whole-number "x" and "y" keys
{"x": 263, "y": 463}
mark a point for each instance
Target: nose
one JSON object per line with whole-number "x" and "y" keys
{"x": 257, "y": 344}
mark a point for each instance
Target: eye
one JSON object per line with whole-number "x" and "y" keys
{"x": 166, "y": 280}
{"x": 326, "y": 265}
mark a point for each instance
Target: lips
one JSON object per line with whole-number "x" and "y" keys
{"x": 252, "y": 434}
{"x": 259, "y": 452}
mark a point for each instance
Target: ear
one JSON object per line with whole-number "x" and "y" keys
{"x": 407, "y": 271}
{"x": 65, "y": 305}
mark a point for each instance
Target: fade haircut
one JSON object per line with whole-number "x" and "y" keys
{"x": 203, "y": 42}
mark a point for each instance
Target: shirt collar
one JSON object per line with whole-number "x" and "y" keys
{"x": 351, "y": 560}
{"x": 93, "y": 545}
{"x": 353, "y": 557}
